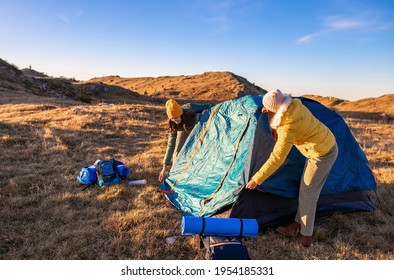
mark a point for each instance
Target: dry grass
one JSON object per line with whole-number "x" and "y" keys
{"x": 44, "y": 214}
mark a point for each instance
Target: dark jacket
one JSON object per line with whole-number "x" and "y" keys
{"x": 195, "y": 111}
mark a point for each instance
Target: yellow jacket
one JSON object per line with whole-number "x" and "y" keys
{"x": 300, "y": 128}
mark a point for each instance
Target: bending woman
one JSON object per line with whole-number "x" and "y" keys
{"x": 181, "y": 120}
{"x": 294, "y": 124}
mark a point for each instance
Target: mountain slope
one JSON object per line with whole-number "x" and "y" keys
{"x": 33, "y": 82}
{"x": 218, "y": 86}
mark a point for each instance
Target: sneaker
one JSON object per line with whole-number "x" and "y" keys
{"x": 290, "y": 230}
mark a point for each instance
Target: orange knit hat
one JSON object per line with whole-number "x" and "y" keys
{"x": 173, "y": 109}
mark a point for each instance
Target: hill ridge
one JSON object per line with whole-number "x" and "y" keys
{"x": 35, "y": 82}
{"x": 383, "y": 104}
{"x": 213, "y": 85}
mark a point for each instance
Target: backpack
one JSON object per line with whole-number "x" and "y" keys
{"x": 107, "y": 173}
{"x": 89, "y": 174}
{"x": 224, "y": 248}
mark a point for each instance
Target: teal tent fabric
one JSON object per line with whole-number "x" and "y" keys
{"x": 232, "y": 141}
{"x": 206, "y": 173}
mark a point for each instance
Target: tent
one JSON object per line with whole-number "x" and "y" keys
{"x": 233, "y": 140}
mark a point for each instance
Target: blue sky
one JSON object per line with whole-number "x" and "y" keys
{"x": 341, "y": 48}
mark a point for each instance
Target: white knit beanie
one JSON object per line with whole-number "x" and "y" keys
{"x": 273, "y": 99}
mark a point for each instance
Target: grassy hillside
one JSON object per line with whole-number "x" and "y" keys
{"x": 33, "y": 82}
{"x": 44, "y": 214}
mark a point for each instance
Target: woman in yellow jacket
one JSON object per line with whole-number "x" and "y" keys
{"x": 294, "y": 124}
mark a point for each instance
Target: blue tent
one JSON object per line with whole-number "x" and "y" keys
{"x": 232, "y": 141}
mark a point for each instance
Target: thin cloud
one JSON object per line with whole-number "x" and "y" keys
{"x": 305, "y": 39}
{"x": 340, "y": 23}
{"x": 224, "y": 14}
{"x": 333, "y": 24}
{"x": 223, "y": 5}
{"x": 220, "y": 15}
{"x": 63, "y": 17}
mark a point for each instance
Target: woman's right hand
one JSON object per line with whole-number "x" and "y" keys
{"x": 251, "y": 185}
{"x": 163, "y": 174}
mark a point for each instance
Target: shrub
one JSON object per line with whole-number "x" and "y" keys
{"x": 84, "y": 98}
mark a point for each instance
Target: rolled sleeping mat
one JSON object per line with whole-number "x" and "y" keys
{"x": 123, "y": 170}
{"x": 219, "y": 226}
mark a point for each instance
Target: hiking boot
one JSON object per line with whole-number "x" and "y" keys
{"x": 290, "y": 230}
{"x": 304, "y": 241}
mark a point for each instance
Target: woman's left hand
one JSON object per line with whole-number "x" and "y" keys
{"x": 251, "y": 185}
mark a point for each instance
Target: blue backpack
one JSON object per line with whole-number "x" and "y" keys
{"x": 107, "y": 173}
{"x": 103, "y": 173}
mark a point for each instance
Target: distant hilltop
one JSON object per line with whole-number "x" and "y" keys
{"x": 382, "y": 106}
{"x": 33, "y": 73}
{"x": 218, "y": 86}
{"x": 209, "y": 86}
